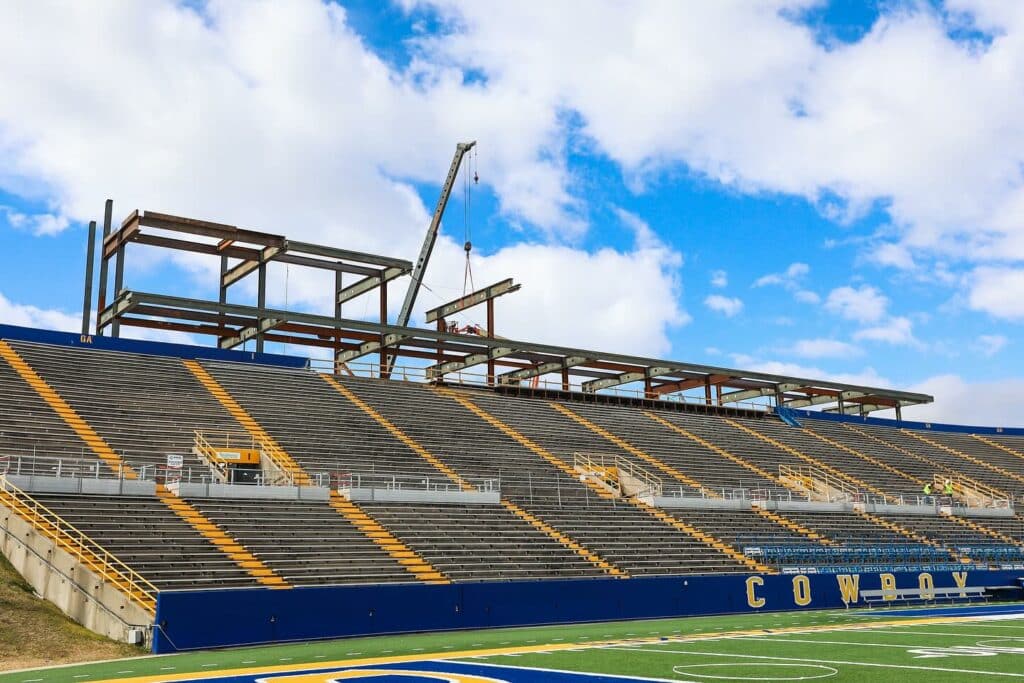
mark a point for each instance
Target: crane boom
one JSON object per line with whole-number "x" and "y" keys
{"x": 431, "y": 237}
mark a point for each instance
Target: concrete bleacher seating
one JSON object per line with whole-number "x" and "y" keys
{"x": 622, "y": 534}
{"x": 303, "y": 542}
{"x": 145, "y": 535}
{"x": 479, "y": 542}
{"x": 146, "y": 407}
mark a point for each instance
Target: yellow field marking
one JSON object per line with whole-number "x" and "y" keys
{"x": 633, "y": 450}
{"x": 528, "y": 649}
{"x": 806, "y": 458}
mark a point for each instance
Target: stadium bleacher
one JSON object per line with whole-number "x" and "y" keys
{"x": 552, "y": 520}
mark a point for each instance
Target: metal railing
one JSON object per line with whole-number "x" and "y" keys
{"x": 282, "y": 470}
{"x": 87, "y": 551}
{"x": 603, "y": 463}
{"x": 346, "y": 481}
{"x": 821, "y": 483}
{"x": 408, "y": 373}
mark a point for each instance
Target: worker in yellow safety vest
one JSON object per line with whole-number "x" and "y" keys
{"x": 928, "y": 489}
{"x": 947, "y": 488}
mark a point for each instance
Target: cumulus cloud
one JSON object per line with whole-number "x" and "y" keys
{"x": 825, "y": 348}
{"x": 990, "y": 344}
{"x": 719, "y": 278}
{"x": 897, "y": 330}
{"x": 959, "y": 401}
{"x": 727, "y": 306}
{"x": 997, "y": 291}
{"x": 37, "y": 224}
{"x": 864, "y": 304}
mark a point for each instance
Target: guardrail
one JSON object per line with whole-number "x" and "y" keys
{"x": 344, "y": 481}
{"x": 207, "y": 444}
{"x": 87, "y": 551}
{"x": 649, "y": 485}
{"x": 820, "y": 482}
{"x": 408, "y": 373}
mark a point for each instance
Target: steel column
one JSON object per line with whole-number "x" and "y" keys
{"x": 108, "y": 212}
{"x": 87, "y": 298}
{"x": 261, "y": 303}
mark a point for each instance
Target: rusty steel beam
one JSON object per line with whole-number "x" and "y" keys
{"x": 476, "y": 298}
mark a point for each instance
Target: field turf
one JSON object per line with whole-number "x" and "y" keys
{"x": 961, "y": 644}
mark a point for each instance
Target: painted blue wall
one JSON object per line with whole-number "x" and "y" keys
{"x": 151, "y": 348}
{"x": 187, "y": 620}
{"x": 904, "y": 424}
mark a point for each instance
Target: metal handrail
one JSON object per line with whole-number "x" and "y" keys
{"x": 408, "y": 373}
{"x": 84, "y": 548}
{"x": 596, "y": 462}
{"x": 355, "y": 480}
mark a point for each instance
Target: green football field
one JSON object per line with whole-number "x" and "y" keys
{"x": 855, "y": 645}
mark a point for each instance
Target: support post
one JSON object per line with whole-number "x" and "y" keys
{"x": 442, "y": 326}
{"x": 565, "y": 379}
{"x": 87, "y": 298}
{"x": 115, "y": 327}
{"x": 338, "y": 285}
{"x": 490, "y": 335}
{"x": 261, "y": 302}
{"x": 385, "y": 357}
{"x": 707, "y": 390}
{"x": 899, "y": 412}
{"x": 101, "y": 302}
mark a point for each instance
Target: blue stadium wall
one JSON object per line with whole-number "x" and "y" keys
{"x": 151, "y": 348}
{"x": 189, "y": 620}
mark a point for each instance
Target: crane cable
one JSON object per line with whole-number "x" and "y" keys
{"x": 467, "y": 195}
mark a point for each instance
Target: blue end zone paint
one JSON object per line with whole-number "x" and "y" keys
{"x": 29, "y": 334}
{"x": 189, "y": 620}
{"x": 969, "y": 611}
{"x": 905, "y": 424}
{"x": 497, "y": 673}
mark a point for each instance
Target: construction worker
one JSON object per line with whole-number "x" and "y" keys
{"x": 947, "y": 488}
{"x": 928, "y": 489}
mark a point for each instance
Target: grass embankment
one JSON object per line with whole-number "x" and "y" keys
{"x": 35, "y": 633}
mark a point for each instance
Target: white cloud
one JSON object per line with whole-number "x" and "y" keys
{"x": 959, "y": 401}
{"x": 807, "y": 296}
{"x": 37, "y": 224}
{"x": 912, "y": 119}
{"x": 997, "y": 291}
{"x": 719, "y": 278}
{"x": 787, "y": 278}
{"x": 864, "y": 304}
{"x": 866, "y": 377}
{"x": 990, "y": 344}
{"x": 12, "y": 313}
{"x": 825, "y": 348}
{"x": 727, "y": 306}
{"x": 897, "y": 330}
{"x": 276, "y": 116}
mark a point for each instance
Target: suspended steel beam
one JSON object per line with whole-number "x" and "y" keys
{"x": 734, "y": 396}
{"x": 625, "y": 378}
{"x": 472, "y": 299}
{"x": 369, "y": 284}
{"x": 543, "y": 369}
{"x": 439, "y": 371}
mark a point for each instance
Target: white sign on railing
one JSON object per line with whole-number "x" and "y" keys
{"x": 175, "y": 461}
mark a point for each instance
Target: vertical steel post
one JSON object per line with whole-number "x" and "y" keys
{"x": 87, "y": 297}
{"x": 565, "y": 379}
{"x": 490, "y": 335}
{"x": 338, "y": 284}
{"x": 115, "y": 328}
{"x": 108, "y": 211}
{"x": 261, "y": 303}
{"x": 899, "y": 412}
{"x": 385, "y": 357}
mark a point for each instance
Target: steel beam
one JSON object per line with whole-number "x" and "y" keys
{"x": 687, "y": 384}
{"x": 348, "y": 255}
{"x": 90, "y": 252}
{"x": 248, "y": 333}
{"x": 439, "y": 371}
{"x": 823, "y": 398}
{"x": 625, "y": 378}
{"x": 536, "y": 353}
{"x": 734, "y": 396}
{"x": 473, "y": 299}
{"x": 101, "y": 299}
{"x": 240, "y": 270}
{"x": 368, "y": 284}
{"x": 543, "y": 369}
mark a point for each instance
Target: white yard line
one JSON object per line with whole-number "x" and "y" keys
{"x": 975, "y": 672}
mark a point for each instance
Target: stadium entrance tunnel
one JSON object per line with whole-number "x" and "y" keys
{"x": 191, "y": 620}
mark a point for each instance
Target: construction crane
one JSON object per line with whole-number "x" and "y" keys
{"x": 431, "y": 237}
{"x": 461, "y": 149}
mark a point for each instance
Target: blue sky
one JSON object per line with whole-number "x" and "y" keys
{"x": 815, "y": 188}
